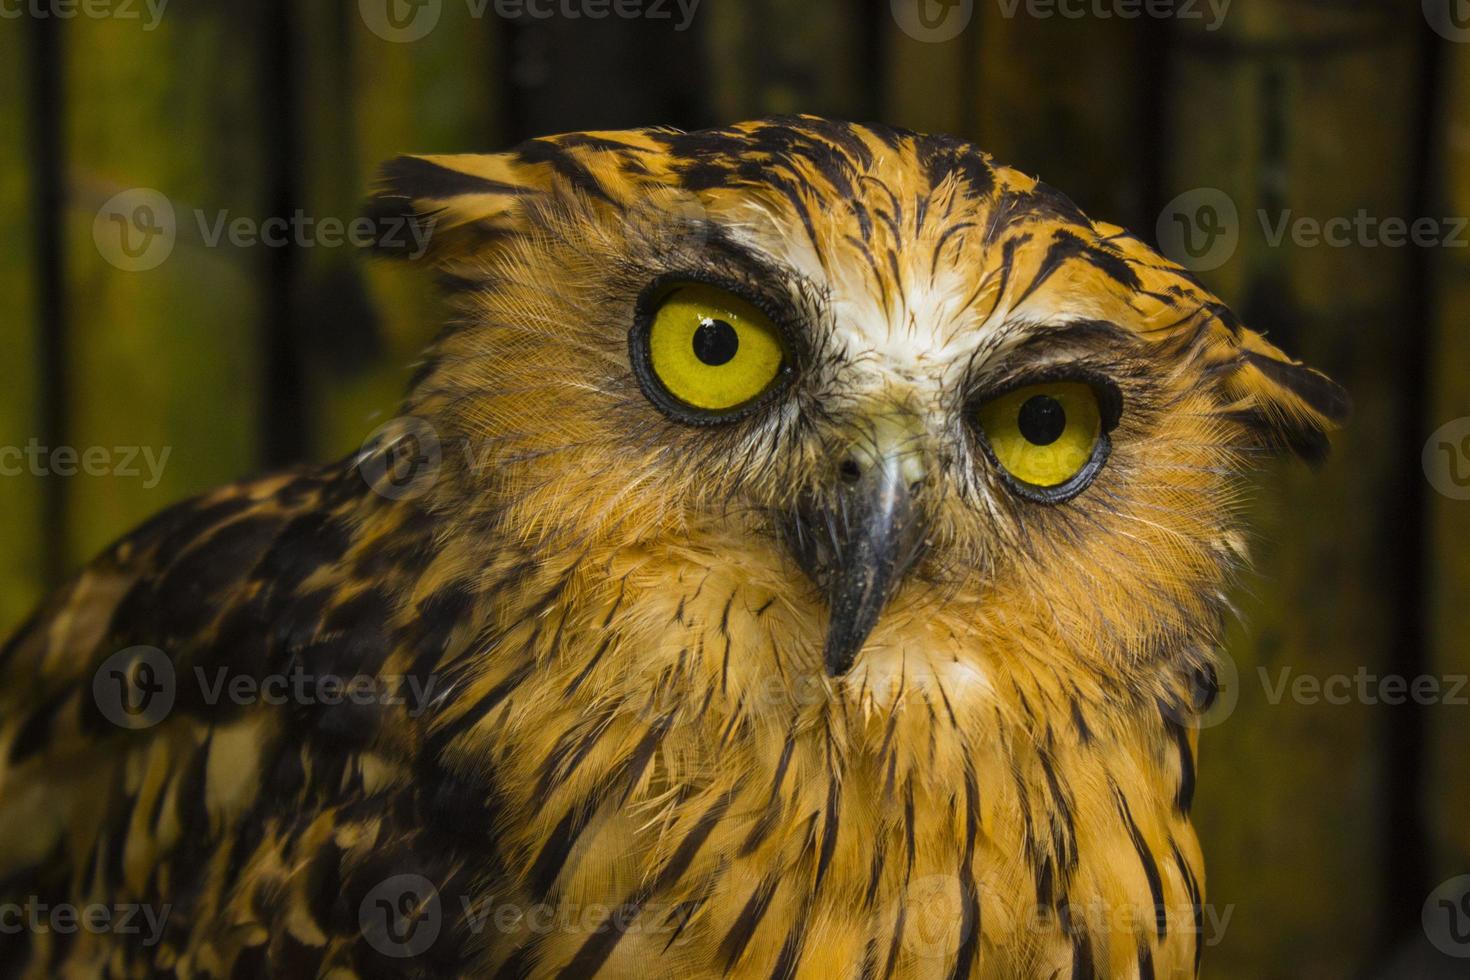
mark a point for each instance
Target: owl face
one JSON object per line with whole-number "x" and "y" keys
{"x": 912, "y": 408}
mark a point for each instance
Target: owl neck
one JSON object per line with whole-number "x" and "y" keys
{"x": 661, "y": 745}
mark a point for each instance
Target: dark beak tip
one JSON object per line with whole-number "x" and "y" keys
{"x": 875, "y": 534}
{"x": 838, "y": 660}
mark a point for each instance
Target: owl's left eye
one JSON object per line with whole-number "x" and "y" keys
{"x": 704, "y": 353}
{"x": 1050, "y": 439}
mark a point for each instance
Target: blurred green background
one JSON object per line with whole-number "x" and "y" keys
{"x": 1326, "y": 825}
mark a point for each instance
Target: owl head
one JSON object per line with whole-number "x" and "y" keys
{"x": 852, "y": 400}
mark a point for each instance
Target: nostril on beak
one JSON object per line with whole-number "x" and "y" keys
{"x": 859, "y": 533}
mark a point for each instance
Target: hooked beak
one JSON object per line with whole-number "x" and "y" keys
{"x": 859, "y": 538}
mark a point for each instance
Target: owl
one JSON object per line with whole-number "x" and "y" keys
{"x": 802, "y": 555}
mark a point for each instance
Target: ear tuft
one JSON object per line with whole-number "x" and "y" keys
{"x": 1288, "y": 406}
{"x": 449, "y": 207}
{"x": 1317, "y": 391}
{"x": 430, "y": 179}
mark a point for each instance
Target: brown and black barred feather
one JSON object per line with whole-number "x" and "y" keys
{"x": 605, "y": 739}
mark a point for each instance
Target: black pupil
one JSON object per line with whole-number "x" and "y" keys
{"x": 715, "y": 342}
{"x": 1042, "y": 420}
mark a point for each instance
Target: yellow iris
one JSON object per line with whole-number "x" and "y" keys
{"x": 712, "y": 350}
{"x": 1045, "y": 434}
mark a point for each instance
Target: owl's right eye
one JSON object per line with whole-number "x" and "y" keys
{"x": 703, "y": 353}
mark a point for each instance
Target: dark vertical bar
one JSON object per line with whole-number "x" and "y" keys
{"x": 507, "y": 81}
{"x": 874, "y": 16}
{"x": 47, "y": 125}
{"x": 1406, "y": 876}
{"x": 970, "y": 83}
{"x": 571, "y": 74}
{"x": 282, "y": 408}
{"x": 1269, "y": 305}
{"x": 1156, "y": 51}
